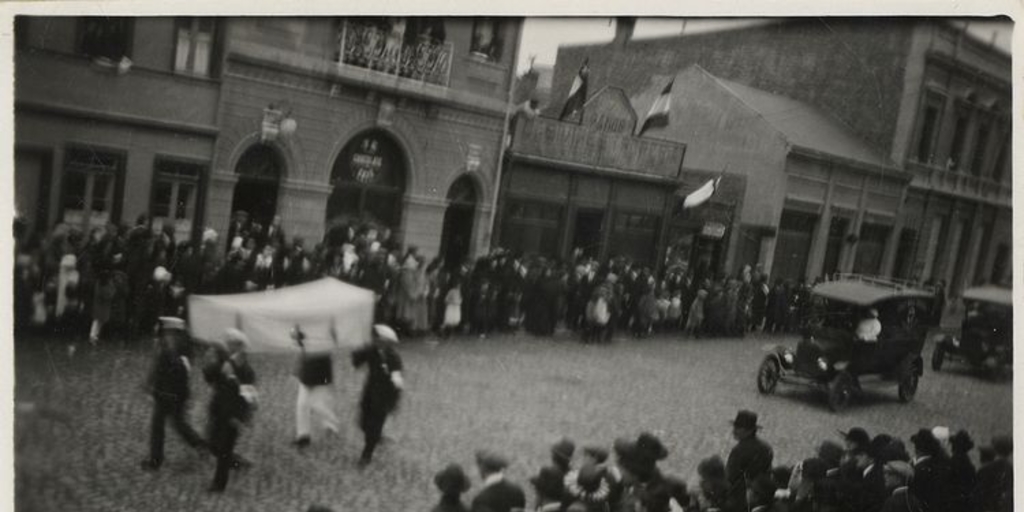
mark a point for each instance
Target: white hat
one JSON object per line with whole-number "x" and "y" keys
{"x": 209, "y": 235}
{"x": 161, "y": 274}
{"x": 68, "y": 261}
{"x": 385, "y": 333}
{"x": 171, "y": 322}
{"x": 942, "y": 435}
{"x": 233, "y": 335}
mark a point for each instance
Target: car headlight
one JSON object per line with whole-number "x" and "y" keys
{"x": 788, "y": 357}
{"x": 822, "y": 364}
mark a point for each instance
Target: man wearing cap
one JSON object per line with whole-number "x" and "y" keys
{"x": 498, "y": 494}
{"x": 750, "y": 458}
{"x": 168, "y": 383}
{"x": 383, "y": 386}
{"x": 315, "y": 374}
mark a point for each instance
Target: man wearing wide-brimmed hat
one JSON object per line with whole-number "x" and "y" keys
{"x": 644, "y": 485}
{"x": 931, "y": 481}
{"x": 168, "y": 383}
{"x": 452, "y": 482}
{"x": 750, "y": 458}
{"x": 383, "y": 386}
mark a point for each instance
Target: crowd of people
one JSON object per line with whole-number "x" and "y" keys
{"x": 855, "y": 472}
{"x": 115, "y": 281}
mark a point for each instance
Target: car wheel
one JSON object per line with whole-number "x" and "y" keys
{"x": 768, "y": 376}
{"x": 907, "y": 381}
{"x": 840, "y": 392}
{"x": 938, "y": 356}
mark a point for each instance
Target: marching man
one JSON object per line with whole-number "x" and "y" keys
{"x": 383, "y": 386}
{"x": 315, "y": 374}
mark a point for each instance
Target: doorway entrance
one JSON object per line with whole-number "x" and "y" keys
{"x": 457, "y": 233}
{"x": 586, "y": 238}
{"x": 259, "y": 174}
{"x": 369, "y": 180}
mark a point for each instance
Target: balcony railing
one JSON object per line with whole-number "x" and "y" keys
{"x": 370, "y": 47}
{"x": 960, "y": 183}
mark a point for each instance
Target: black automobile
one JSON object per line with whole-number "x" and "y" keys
{"x": 985, "y": 340}
{"x": 860, "y": 329}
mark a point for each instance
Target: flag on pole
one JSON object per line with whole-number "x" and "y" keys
{"x": 658, "y": 115}
{"x": 577, "y": 93}
{"x": 702, "y": 194}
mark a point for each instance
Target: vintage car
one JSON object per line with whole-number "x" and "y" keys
{"x": 985, "y": 339}
{"x": 859, "y": 329}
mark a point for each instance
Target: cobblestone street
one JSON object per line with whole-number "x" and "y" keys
{"x": 515, "y": 395}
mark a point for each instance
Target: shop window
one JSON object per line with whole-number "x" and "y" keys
{"x": 931, "y": 118}
{"x": 175, "y": 191}
{"x": 634, "y": 235}
{"x": 870, "y": 249}
{"x": 532, "y": 227}
{"x": 486, "y": 41}
{"x": 793, "y": 244}
{"x": 193, "y": 53}
{"x": 904, "y": 265}
{"x": 107, "y": 37}
{"x": 956, "y": 148}
{"x": 90, "y": 179}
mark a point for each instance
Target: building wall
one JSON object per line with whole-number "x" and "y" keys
{"x": 441, "y": 140}
{"x": 63, "y": 99}
{"x": 819, "y": 62}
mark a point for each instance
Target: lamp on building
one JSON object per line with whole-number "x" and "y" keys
{"x": 277, "y": 122}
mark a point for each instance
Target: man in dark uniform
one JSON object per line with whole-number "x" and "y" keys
{"x": 383, "y": 386}
{"x": 231, "y": 404}
{"x": 750, "y": 458}
{"x": 168, "y": 383}
{"x": 497, "y": 494}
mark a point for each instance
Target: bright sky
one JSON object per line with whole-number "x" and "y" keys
{"x": 542, "y": 36}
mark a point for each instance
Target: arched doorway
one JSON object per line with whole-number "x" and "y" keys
{"x": 368, "y": 179}
{"x": 259, "y": 174}
{"x": 458, "y": 222}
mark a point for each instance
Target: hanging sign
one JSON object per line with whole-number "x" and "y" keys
{"x": 367, "y": 161}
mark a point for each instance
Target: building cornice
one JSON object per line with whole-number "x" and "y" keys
{"x": 114, "y": 117}
{"x": 591, "y": 169}
{"x": 813, "y": 154}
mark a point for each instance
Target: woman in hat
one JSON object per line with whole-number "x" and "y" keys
{"x": 383, "y": 386}
{"x": 452, "y": 482}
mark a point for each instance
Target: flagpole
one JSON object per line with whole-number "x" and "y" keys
{"x": 504, "y": 137}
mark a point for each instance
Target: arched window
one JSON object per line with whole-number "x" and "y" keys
{"x": 259, "y": 173}
{"x": 368, "y": 180}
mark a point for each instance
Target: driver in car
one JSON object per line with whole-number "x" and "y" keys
{"x": 869, "y": 328}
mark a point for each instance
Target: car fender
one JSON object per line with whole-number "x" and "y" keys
{"x": 778, "y": 353}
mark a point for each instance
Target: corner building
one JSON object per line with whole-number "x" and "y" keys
{"x": 923, "y": 94}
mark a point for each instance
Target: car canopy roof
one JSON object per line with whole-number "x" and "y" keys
{"x": 993, "y": 294}
{"x": 864, "y": 291}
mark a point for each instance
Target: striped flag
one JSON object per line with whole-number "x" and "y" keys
{"x": 701, "y": 195}
{"x": 578, "y": 92}
{"x": 658, "y": 115}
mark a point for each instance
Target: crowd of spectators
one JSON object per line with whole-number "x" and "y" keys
{"x": 855, "y": 472}
{"x": 115, "y": 281}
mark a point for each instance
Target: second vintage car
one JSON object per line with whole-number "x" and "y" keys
{"x": 860, "y": 329}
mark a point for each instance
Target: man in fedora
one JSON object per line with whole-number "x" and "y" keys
{"x": 498, "y": 494}
{"x": 931, "y": 481}
{"x": 750, "y": 458}
{"x": 644, "y": 487}
{"x": 383, "y": 386}
{"x": 168, "y": 383}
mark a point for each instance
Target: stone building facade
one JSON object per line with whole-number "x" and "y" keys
{"x": 396, "y": 122}
{"x": 923, "y": 93}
